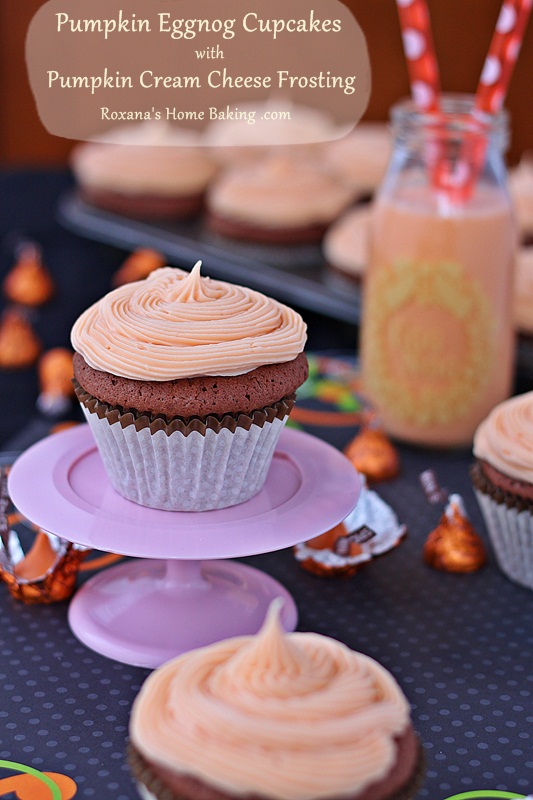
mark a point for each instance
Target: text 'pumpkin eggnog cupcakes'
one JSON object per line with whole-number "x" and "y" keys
{"x": 277, "y": 716}
{"x": 186, "y": 383}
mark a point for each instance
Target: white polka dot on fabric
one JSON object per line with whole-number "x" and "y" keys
{"x": 491, "y": 71}
{"x": 414, "y": 43}
{"x": 422, "y": 94}
{"x": 507, "y": 19}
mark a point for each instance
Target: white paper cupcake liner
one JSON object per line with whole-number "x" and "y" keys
{"x": 511, "y": 535}
{"x": 200, "y": 471}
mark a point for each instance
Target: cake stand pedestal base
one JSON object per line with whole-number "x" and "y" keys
{"x": 145, "y": 612}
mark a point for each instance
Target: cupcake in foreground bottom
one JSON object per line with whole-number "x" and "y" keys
{"x": 281, "y": 716}
{"x": 186, "y": 383}
{"x": 503, "y": 481}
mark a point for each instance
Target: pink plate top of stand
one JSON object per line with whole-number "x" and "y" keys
{"x": 60, "y": 484}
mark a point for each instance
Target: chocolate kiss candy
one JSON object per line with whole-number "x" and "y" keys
{"x": 373, "y": 455}
{"x": 138, "y": 266}
{"x": 29, "y": 282}
{"x": 55, "y": 376}
{"x": 454, "y": 545}
{"x": 19, "y": 346}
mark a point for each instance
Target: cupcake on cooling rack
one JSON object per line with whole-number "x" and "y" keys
{"x": 279, "y": 200}
{"x": 144, "y": 171}
{"x": 186, "y": 383}
{"x": 279, "y": 716}
{"x": 521, "y": 190}
{"x": 345, "y": 247}
{"x": 278, "y": 123}
{"x": 360, "y": 158}
{"x": 503, "y": 481}
{"x": 523, "y": 291}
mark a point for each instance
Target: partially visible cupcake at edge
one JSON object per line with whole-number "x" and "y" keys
{"x": 503, "y": 481}
{"x": 276, "y": 716}
{"x": 186, "y": 383}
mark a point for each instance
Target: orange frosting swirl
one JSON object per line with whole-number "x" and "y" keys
{"x": 291, "y": 717}
{"x": 505, "y": 438}
{"x": 177, "y": 324}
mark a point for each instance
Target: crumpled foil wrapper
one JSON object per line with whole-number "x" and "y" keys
{"x": 46, "y": 572}
{"x": 371, "y": 530}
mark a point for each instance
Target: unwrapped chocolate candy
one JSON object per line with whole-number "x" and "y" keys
{"x": 370, "y": 530}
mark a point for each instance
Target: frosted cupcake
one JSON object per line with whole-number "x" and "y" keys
{"x": 186, "y": 383}
{"x": 278, "y": 123}
{"x": 521, "y": 190}
{"x": 281, "y": 716}
{"x": 523, "y": 291}
{"x": 360, "y": 159}
{"x": 145, "y": 171}
{"x": 503, "y": 481}
{"x": 345, "y": 245}
{"x": 276, "y": 201}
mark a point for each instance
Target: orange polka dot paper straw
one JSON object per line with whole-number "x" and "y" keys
{"x": 502, "y": 55}
{"x": 419, "y": 53}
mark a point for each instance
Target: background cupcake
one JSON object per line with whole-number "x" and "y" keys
{"x": 360, "y": 159}
{"x": 345, "y": 247}
{"x": 279, "y": 200}
{"x": 283, "y": 716}
{"x": 145, "y": 171}
{"x": 186, "y": 383}
{"x": 503, "y": 481}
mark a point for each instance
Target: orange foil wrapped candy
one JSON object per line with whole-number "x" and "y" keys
{"x": 19, "y": 346}
{"x": 55, "y": 378}
{"x": 46, "y": 574}
{"x": 373, "y": 455}
{"x": 138, "y": 266}
{"x": 454, "y": 545}
{"x": 29, "y": 283}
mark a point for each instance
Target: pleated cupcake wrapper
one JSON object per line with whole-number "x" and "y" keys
{"x": 511, "y": 534}
{"x": 186, "y": 465}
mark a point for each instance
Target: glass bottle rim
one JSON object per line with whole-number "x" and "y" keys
{"x": 455, "y": 117}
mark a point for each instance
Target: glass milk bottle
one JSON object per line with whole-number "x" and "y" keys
{"x": 437, "y": 345}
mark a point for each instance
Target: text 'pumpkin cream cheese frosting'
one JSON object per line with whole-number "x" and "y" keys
{"x": 176, "y": 324}
{"x": 286, "y": 716}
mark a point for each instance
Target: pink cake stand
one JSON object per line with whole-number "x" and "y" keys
{"x": 146, "y": 612}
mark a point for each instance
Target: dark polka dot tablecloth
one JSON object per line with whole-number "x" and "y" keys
{"x": 461, "y": 647}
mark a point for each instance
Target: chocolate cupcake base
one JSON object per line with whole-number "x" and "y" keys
{"x": 237, "y": 229}
{"x": 147, "y": 206}
{"x": 402, "y": 782}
